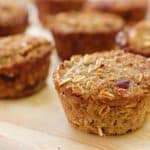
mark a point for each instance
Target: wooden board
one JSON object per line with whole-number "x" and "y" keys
{"x": 39, "y": 123}
{"x": 44, "y": 115}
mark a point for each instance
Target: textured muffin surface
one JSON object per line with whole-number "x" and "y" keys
{"x": 86, "y": 22}
{"x": 116, "y": 78}
{"x": 21, "y": 48}
{"x": 13, "y": 18}
{"x": 130, "y": 10}
{"x": 10, "y": 11}
{"x": 53, "y": 7}
{"x": 24, "y": 65}
{"x": 105, "y": 93}
{"x": 136, "y": 38}
{"x": 119, "y": 4}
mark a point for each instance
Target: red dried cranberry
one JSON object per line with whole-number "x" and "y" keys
{"x": 123, "y": 83}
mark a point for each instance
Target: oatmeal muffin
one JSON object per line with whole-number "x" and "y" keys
{"x": 136, "y": 38}
{"x": 130, "y": 10}
{"x": 84, "y": 32}
{"x": 51, "y": 7}
{"x": 24, "y": 64}
{"x": 13, "y": 18}
{"x": 105, "y": 93}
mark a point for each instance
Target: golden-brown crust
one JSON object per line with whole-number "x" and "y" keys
{"x": 130, "y": 10}
{"x": 21, "y": 49}
{"x": 57, "y": 6}
{"x": 114, "y": 78}
{"x": 136, "y": 38}
{"x": 105, "y": 93}
{"x": 68, "y": 45}
{"x": 24, "y": 79}
{"x": 13, "y": 18}
{"x": 52, "y": 7}
{"x": 102, "y": 119}
{"x": 77, "y": 31}
{"x": 81, "y": 22}
{"x": 24, "y": 65}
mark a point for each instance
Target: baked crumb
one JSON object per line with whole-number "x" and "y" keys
{"x": 24, "y": 65}
{"x": 129, "y": 10}
{"x": 77, "y": 30}
{"x": 105, "y": 93}
{"x": 136, "y": 38}
{"x": 13, "y": 18}
{"x": 81, "y": 22}
{"x": 107, "y": 76}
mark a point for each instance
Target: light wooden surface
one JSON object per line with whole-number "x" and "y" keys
{"x": 39, "y": 123}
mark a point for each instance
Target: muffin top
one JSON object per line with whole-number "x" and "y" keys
{"x": 115, "y": 77}
{"x": 85, "y": 22}
{"x": 136, "y": 38}
{"x": 11, "y": 12}
{"x": 65, "y": 0}
{"x": 117, "y": 5}
{"x": 22, "y": 48}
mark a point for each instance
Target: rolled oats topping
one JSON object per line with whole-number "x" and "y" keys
{"x": 119, "y": 4}
{"x": 136, "y": 38}
{"x": 86, "y": 21}
{"x": 109, "y": 76}
{"x": 68, "y": 0}
{"x": 10, "y": 11}
{"x": 16, "y": 49}
{"x": 139, "y": 36}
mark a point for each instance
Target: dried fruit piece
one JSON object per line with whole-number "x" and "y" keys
{"x": 123, "y": 83}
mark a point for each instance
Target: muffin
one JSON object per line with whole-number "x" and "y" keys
{"x": 52, "y": 7}
{"x": 105, "y": 93}
{"x": 84, "y": 32}
{"x": 24, "y": 65}
{"x": 13, "y": 18}
{"x": 136, "y": 38}
{"x": 130, "y": 10}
